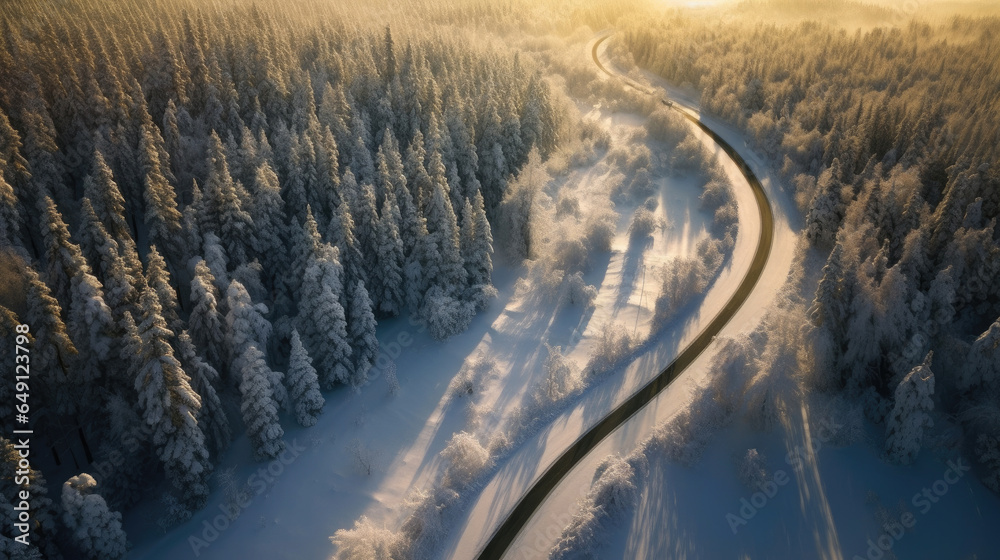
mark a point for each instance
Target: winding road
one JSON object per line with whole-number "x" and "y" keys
{"x": 532, "y": 500}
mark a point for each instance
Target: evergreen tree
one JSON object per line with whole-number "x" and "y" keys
{"x": 158, "y": 278}
{"x": 223, "y": 213}
{"x": 211, "y": 416}
{"x": 260, "y": 415}
{"x": 171, "y": 407}
{"x": 390, "y": 296}
{"x": 982, "y": 368}
{"x": 17, "y": 479}
{"x": 442, "y": 229}
{"x": 53, "y": 349}
{"x": 269, "y": 220}
{"x": 910, "y": 413}
{"x": 303, "y": 384}
{"x": 205, "y": 321}
{"x": 162, "y": 217}
{"x": 477, "y": 250}
{"x": 322, "y": 321}
{"x": 246, "y": 327}
{"x": 826, "y": 211}
{"x": 341, "y": 234}
{"x": 361, "y": 325}
{"x": 95, "y": 529}
{"x": 109, "y": 205}
{"x": 63, "y": 258}
{"x": 11, "y": 221}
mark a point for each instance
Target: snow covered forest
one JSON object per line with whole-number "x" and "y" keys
{"x": 205, "y": 212}
{"x": 890, "y": 138}
{"x": 211, "y": 213}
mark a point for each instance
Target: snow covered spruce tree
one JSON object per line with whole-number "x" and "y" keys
{"x": 205, "y": 322}
{"x": 322, "y": 320}
{"x": 260, "y": 414}
{"x": 910, "y": 414}
{"x": 246, "y": 329}
{"x": 185, "y": 164}
{"x": 303, "y": 384}
{"x": 94, "y": 528}
{"x": 211, "y": 416}
{"x": 171, "y": 407}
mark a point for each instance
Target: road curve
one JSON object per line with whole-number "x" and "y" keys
{"x": 525, "y": 508}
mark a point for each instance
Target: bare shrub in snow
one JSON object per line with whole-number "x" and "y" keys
{"x": 751, "y": 468}
{"x": 234, "y": 494}
{"x": 613, "y": 343}
{"x": 366, "y": 460}
{"x": 391, "y": 381}
{"x": 466, "y": 460}
{"x": 472, "y": 376}
{"x": 615, "y": 491}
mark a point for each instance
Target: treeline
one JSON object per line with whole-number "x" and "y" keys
{"x": 891, "y": 139}
{"x": 204, "y": 212}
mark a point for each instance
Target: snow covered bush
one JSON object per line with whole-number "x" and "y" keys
{"x": 466, "y": 460}
{"x": 775, "y": 388}
{"x": 570, "y": 255}
{"x": 681, "y": 280}
{"x": 94, "y": 529}
{"x": 911, "y": 413}
{"x": 611, "y": 345}
{"x": 367, "y": 541}
{"x": 444, "y": 315}
{"x": 599, "y": 230}
{"x": 644, "y": 223}
{"x": 690, "y": 156}
{"x": 614, "y": 492}
{"x": 576, "y": 291}
{"x": 560, "y": 375}
{"x": 668, "y": 126}
{"x": 988, "y": 453}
